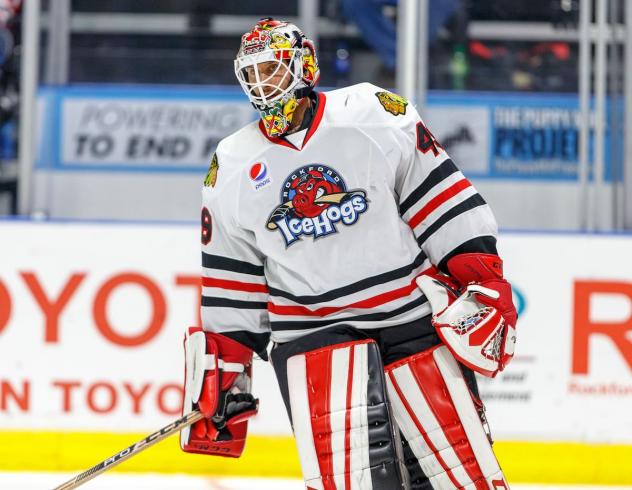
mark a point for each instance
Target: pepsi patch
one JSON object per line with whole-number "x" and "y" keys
{"x": 259, "y": 175}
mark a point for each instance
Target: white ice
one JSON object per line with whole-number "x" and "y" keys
{"x": 127, "y": 481}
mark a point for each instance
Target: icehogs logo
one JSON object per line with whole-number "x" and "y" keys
{"x": 313, "y": 200}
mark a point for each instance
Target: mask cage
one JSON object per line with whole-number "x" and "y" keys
{"x": 289, "y": 60}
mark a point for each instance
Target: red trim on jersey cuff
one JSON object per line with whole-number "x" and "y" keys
{"x": 320, "y": 110}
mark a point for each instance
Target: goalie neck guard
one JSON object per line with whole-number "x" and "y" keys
{"x": 276, "y": 67}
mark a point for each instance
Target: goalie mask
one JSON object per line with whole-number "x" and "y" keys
{"x": 276, "y": 66}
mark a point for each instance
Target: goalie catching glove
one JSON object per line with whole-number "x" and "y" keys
{"x": 473, "y": 311}
{"x": 217, "y": 383}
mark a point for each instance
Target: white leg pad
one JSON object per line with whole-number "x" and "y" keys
{"x": 329, "y": 413}
{"x": 339, "y": 413}
{"x": 435, "y": 412}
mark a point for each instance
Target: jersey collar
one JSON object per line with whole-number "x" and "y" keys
{"x": 320, "y": 109}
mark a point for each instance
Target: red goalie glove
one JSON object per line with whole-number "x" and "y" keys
{"x": 217, "y": 382}
{"x": 473, "y": 311}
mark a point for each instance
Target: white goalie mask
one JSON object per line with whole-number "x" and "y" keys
{"x": 276, "y": 66}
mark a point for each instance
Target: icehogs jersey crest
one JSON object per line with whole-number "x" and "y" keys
{"x": 314, "y": 200}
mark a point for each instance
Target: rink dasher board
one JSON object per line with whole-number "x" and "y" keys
{"x": 139, "y": 141}
{"x": 81, "y": 384}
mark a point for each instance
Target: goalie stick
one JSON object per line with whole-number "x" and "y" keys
{"x": 134, "y": 449}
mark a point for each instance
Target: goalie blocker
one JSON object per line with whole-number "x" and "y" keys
{"x": 414, "y": 424}
{"x": 218, "y": 373}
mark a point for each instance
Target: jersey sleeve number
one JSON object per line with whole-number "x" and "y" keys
{"x": 207, "y": 226}
{"x": 426, "y": 140}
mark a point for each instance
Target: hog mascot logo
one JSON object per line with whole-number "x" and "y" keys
{"x": 313, "y": 200}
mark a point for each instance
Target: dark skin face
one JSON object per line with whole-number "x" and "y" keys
{"x": 299, "y": 114}
{"x": 281, "y": 77}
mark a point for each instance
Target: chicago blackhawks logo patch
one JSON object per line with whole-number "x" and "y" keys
{"x": 393, "y": 103}
{"x": 211, "y": 176}
{"x": 314, "y": 199}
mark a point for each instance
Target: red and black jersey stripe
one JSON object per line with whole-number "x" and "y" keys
{"x": 470, "y": 203}
{"x": 218, "y": 262}
{"x": 369, "y": 317}
{"x": 355, "y": 287}
{"x": 224, "y": 263}
{"x": 436, "y": 176}
{"x": 233, "y": 303}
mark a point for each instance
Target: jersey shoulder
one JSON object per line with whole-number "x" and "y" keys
{"x": 366, "y": 103}
{"x": 232, "y": 154}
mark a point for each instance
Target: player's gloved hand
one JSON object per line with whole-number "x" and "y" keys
{"x": 217, "y": 382}
{"x": 473, "y": 311}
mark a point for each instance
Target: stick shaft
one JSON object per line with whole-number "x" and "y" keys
{"x": 133, "y": 450}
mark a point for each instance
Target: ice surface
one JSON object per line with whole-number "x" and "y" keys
{"x": 124, "y": 481}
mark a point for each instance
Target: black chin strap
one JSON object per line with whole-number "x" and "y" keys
{"x": 309, "y": 112}
{"x": 303, "y": 92}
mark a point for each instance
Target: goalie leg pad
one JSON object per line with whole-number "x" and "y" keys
{"x": 341, "y": 418}
{"x": 438, "y": 419}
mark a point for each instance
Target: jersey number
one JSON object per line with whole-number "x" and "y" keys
{"x": 426, "y": 140}
{"x": 207, "y": 226}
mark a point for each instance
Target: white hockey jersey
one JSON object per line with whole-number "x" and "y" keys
{"x": 331, "y": 225}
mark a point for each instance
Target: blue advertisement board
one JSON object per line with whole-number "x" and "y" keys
{"x": 525, "y": 136}
{"x": 175, "y": 129}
